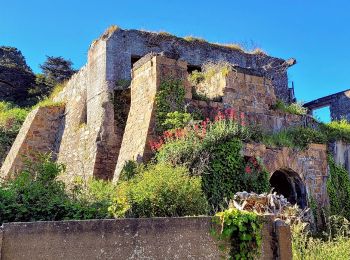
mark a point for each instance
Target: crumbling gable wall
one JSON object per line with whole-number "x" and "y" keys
{"x": 339, "y": 105}
{"x": 123, "y": 45}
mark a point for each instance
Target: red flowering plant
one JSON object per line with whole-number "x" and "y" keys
{"x": 184, "y": 144}
{"x": 255, "y": 174}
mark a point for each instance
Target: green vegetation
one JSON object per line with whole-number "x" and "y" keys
{"x": 177, "y": 119}
{"x": 227, "y": 172}
{"x": 160, "y": 190}
{"x": 243, "y": 230}
{"x": 193, "y": 39}
{"x": 11, "y": 119}
{"x": 307, "y": 247}
{"x": 297, "y": 137}
{"x": 301, "y": 137}
{"x": 293, "y": 108}
{"x": 170, "y": 98}
{"x": 338, "y": 188}
{"x": 337, "y": 130}
{"x": 36, "y": 194}
{"x": 233, "y": 46}
{"x": 209, "y": 70}
{"x": 212, "y": 150}
{"x": 123, "y": 83}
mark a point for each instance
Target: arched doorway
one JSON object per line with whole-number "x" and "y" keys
{"x": 290, "y": 185}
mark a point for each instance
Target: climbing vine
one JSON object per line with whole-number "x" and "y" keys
{"x": 243, "y": 231}
{"x": 338, "y": 187}
{"x": 170, "y": 98}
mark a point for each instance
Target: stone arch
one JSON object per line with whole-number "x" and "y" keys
{"x": 287, "y": 182}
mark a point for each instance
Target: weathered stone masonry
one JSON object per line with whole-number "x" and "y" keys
{"x": 103, "y": 124}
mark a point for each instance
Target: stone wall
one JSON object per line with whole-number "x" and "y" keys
{"x": 339, "y": 105}
{"x": 89, "y": 138}
{"x": 155, "y": 238}
{"x": 248, "y": 92}
{"x": 147, "y": 75}
{"x": 310, "y": 165}
{"x": 39, "y": 134}
{"x": 341, "y": 153}
{"x": 122, "y": 45}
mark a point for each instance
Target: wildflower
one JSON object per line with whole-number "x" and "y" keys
{"x": 248, "y": 169}
{"x": 242, "y": 119}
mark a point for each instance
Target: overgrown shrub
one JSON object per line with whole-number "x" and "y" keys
{"x": 229, "y": 172}
{"x": 338, "y": 187}
{"x": 209, "y": 70}
{"x": 177, "y": 120}
{"x": 160, "y": 190}
{"x": 297, "y": 137}
{"x": 337, "y": 130}
{"x": 11, "y": 120}
{"x": 169, "y": 98}
{"x": 293, "y": 108}
{"x": 184, "y": 146}
{"x": 36, "y": 195}
{"x": 213, "y": 151}
{"x": 243, "y": 230}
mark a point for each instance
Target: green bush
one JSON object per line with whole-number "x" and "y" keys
{"x": 185, "y": 146}
{"x": 337, "y": 130}
{"x": 213, "y": 150}
{"x": 297, "y": 137}
{"x": 160, "y": 190}
{"x": 36, "y": 194}
{"x": 338, "y": 187}
{"x": 11, "y": 120}
{"x": 243, "y": 230}
{"x": 177, "y": 120}
{"x": 293, "y": 108}
{"x": 229, "y": 172}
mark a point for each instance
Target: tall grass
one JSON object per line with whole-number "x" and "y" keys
{"x": 306, "y": 247}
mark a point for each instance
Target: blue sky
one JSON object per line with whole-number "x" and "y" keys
{"x": 316, "y": 33}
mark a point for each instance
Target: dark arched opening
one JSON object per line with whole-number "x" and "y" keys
{"x": 290, "y": 185}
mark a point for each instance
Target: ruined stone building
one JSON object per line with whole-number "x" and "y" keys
{"x": 102, "y": 122}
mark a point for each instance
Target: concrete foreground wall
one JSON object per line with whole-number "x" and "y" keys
{"x": 155, "y": 238}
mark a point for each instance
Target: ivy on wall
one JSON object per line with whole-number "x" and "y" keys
{"x": 170, "y": 98}
{"x": 338, "y": 187}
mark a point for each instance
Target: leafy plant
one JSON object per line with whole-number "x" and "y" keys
{"x": 170, "y": 98}
{"x": 196, "y": 77}
{"x": 161, "y": 190}
{"x": 296, "y": 137}
{"x": 11, "y": 120}
{"x": 338, "y": 187}
{"x": 36, "y": 194}
{"x": 243, "y": 231}
{"x": 293, "y": 108}
{"x": 228, "y": 172}
{"x": 184, "y": 146}
{"x": 337, "y": 130}
{"x": 177, "y": 120}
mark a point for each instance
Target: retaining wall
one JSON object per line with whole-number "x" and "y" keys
{"x": 152, "y": 238}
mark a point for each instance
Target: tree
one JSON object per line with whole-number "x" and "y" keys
{"x": 57, "y": 69}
